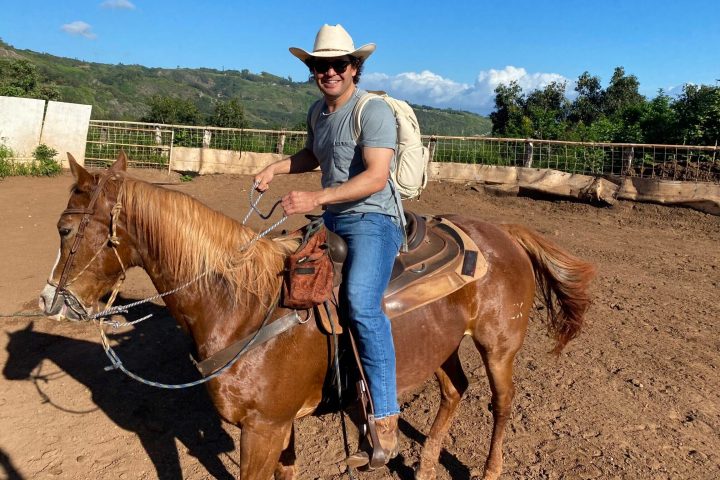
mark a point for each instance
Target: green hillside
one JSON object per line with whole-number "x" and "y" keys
{"x": 122, "y": 92}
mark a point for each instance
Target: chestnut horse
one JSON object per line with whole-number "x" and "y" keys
{"x": 176, "y": 239}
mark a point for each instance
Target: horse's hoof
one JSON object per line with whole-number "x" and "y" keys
{"x": 491, "y": 475}
{"x": 425, "y": 473}
{"x": 285, "y": 473}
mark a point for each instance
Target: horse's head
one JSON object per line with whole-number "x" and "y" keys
{"x": 94, "y": 247}
{"x": 22, "y": 358}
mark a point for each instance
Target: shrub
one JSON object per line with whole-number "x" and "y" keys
{"x": 6, "y": 165}
{"x": 42, "y": 165}
{"x": 45, "y": 163}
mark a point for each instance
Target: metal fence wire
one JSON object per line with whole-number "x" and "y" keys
{"x": 150, "y": 146}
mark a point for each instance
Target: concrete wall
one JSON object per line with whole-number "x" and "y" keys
{"x": 21, "y": 121}
{"x": 700, "y": 196}
{"x": 64, "y": 127}
{"x": 207, "y": 161}
{"x": 505, "y": 180}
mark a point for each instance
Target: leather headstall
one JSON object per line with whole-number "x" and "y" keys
{"x": 86, "y": 212}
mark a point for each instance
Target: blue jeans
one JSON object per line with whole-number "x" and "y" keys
{"x": 373, "y": 241}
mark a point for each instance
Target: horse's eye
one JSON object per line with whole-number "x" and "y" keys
{"x": 64, "y": 232}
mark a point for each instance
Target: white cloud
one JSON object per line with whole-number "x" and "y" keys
{"x": 674, "y": 91}
{"x": 428, "y": 88}
{"x": 118, "y": 4}
{"x": 79, "y": 28}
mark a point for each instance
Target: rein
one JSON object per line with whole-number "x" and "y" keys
{"x": 261, "y": 335}
{"x": 209, "y": 367}
{"x": 124, "y": 308}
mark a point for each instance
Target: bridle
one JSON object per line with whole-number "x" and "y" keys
{"x": 62, "y": 288}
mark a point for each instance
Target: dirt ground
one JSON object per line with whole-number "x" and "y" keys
{"x": 636, "y": 396}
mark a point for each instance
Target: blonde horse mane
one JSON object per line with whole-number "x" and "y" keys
{"x": 192, "y": 239}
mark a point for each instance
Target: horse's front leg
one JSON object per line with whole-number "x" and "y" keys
{"x": 260, "y": 448}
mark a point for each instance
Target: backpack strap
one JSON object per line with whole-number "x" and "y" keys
{"x": 315, "y": 111}
{"x": 356, "y": 128}
{"x": 357, "y": 112}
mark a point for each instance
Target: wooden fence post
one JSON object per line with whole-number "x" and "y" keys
{"x": 158, "y": 141}
{"x": 280, "y": 148}
{"x": 528, "y": 154}
{"x": 432, "y": 144}
{"x": 628, "y": 155}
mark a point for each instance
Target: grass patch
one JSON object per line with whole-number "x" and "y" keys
{"x": 43, "y": 163}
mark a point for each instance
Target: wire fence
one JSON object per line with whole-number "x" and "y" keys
{"x": 150, "y": 146}
{"x": 147, "y": 146}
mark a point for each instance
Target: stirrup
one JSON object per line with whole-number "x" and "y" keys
{"x": 363, "y": 461}
{"x": 378, "y": 456}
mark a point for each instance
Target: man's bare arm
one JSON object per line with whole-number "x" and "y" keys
{"x": 364, "y": 184}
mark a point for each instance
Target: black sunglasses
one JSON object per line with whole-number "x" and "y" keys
{"x": 322, "y": 66}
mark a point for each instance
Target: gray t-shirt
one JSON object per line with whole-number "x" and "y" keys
{"x": 341, "y": 158}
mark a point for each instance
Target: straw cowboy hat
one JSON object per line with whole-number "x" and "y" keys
{"x": 334, "y": 41}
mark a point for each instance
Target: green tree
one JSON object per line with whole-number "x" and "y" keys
{"x": 172, "y": 110}
{"x": 228, "y": 114}
{"x": 587, "y": 107}
{"x": 698, "y": 114}
{"x": 603, "y": 130}
{"x": 623, "y": 92}
{"x": 659, "y": 120}
{"x": 623, "y": 106}
{"x": 617, "y": 114}
{"x": 20, "y": 78}
{"x": 547, "y": 111}
{"x": 628, "y": 122}
{"x": 509, "y": 105}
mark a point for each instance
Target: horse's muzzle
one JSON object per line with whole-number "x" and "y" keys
{"x": 62, "y": 306}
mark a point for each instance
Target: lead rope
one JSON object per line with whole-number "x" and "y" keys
{"x": 116, "y": 363}
{"x": 114, "y": 239}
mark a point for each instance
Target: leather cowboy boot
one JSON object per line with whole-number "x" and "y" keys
{"x": 387, "y": 434}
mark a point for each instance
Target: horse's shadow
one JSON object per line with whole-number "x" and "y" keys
{"x": 7, "y": 466}
{"x": 158, "y": 417}
{"x": 397, "y": 465}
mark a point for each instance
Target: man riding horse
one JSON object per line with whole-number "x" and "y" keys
{"x": 360, "y": 204}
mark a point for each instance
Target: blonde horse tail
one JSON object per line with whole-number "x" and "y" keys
{"x": 563, "y": 282}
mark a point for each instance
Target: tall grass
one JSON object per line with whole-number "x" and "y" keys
{"x": 6, "y": 164}
{"x": 43, "y": 163}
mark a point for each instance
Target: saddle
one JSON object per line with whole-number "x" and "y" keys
{"x": 441, "y": 259}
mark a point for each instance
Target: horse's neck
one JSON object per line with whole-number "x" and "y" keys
{"x": 214, "y": 302}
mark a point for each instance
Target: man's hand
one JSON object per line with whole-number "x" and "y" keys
{"x": 263, "y": 179}
{"x": 300, "y": 202}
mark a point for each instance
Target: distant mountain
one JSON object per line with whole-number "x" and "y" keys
{"x": 121, "y": 92}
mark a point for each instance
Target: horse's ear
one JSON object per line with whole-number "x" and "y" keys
{"x": 28, "y": 328}
{"x": 120, "y": 164}
{"x": 83, "y": 180}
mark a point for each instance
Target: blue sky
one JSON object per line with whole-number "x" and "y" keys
{"x": 440, "y": 54}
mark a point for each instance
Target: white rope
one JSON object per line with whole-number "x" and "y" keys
{"x": 253, "y": 207}
{"x": 116, "y": 363}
